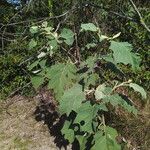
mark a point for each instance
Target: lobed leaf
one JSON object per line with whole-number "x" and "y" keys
{"x": 67, "y": 132}
{"x": 68, "y": 36}
{"x": 88, "y": 27}
{"x": 106, "y": 141}
{"x": 102, "y": 91}
{"x": 32, "y": 44}
{"x": 139, "y": 89}
{"x": 122, "y": 54}
{"x": 37, "y": 81}
{"x": 105, "y": 94}
{"x": 71, "y": 100}
{"x": 61, "y": 76}
{"x": 86, "y": 112}
{"x": 82, "y": 141}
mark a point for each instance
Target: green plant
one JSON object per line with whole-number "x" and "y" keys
{"x": 81, "y": 85}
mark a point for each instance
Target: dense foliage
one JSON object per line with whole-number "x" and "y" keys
{"x": 78, "y": 84}
{"x": 90, "y": 55}
{"x": 14, "y": 28}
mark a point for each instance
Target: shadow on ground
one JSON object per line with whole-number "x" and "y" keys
{"x": 54, "y": 124}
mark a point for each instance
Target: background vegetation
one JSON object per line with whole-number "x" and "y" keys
{"x": 23, "y": 37}
{"x": 111, "y": 16}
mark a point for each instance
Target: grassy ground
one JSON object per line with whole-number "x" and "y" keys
{"x": 20, "y": 131}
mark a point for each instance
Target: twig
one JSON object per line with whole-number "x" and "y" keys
{"x": 5, "y": 27}
{"x": 18, "y": 89}
{"x": 121, "y": 84}
{"x": 77, "y": 49}
{"x": 121, "y": 15}
{"x": 58, "y": 26}
{"x": 112, "y": 12}
{"x": 12, "y": 24}
{"x": 6, "y": 39}
{"x": 39, "y": 20}
{"x": 71, "y": 56}
{"x": 140, "y": 16}
{"x": 66, "y": 17}
{"x": 32, "y": 57}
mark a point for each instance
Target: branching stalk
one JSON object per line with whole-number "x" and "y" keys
{"x": 140, "y": 16}
{"x": 122, "y": 84}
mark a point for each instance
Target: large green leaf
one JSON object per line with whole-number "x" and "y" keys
{"x": 102, "y": 91}
{"x": 139, "y": 89}
{"x": 32, "y": 44}
{"x": 89, "y": 77}
{"x": 115, "y": 100}
{"x": 109, "y": 58}
{"x": 100, "y": 142}
{"x": 111, "y": 134}
{"x": 122, "y": 54}
{"x": 34, "y": 29}
{"x": 37, "y": 81}
{"x": 61, "y": 77}
{"x": 82, "y": 141}
{"x": 105, "y": 94}
{"x": 86, "y": 113}
{"x": 129, "y": 108}
{"x": 34, "y": 64}
{"x": 101, "y": 107}
{"x": 53, "y": 44}
{"x": 67, "y": 132}
{"x": 106, "y": 141}
{"x": 88, "y": 27}
{"x": 72, "y": 99}
{"x": 68, "y": 36}
{"x": 90, "y": 62}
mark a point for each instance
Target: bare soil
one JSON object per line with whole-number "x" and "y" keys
{"x": 22, "y": 127}
{"x": 18, "y": 128}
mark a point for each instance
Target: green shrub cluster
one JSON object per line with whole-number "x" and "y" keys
{"x": 101, "y": 13}
{"x": 79, "y": 84}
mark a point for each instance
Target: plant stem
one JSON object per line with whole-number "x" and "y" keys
{"x": 103, "y": 121}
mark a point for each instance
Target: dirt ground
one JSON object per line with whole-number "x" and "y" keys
{"x": 18, "y": 128}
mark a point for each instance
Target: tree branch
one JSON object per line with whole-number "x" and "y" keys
{"x": 107, "y": 9}
{"x": 122, "y": 15}
{"x": 140, "y": 16}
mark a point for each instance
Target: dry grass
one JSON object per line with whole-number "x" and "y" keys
{"x": 135, "y": 130}
{"x": 20, "y": 131}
